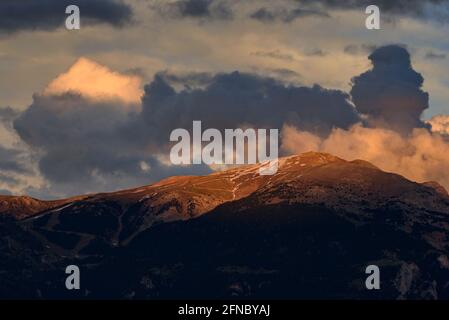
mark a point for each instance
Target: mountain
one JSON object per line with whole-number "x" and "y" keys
{"x": 308, "y": 231}
{"x": 21, "y": 207}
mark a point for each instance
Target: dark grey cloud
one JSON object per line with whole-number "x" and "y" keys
{"x": 284, "y": 15}
{"x": 196, "y": 9}
{"x": 50, "y": 14}
{"x": 7, "y": 114}
{"x": 89, "y": 146}
{"x": 80, "y": 141}
{"x": 435, "y": 55}
{"x": 421, "y": 9}
{"x": 283, "y": 11}
{"x": 235, "y": 99}
{"x": 391, "y": 92}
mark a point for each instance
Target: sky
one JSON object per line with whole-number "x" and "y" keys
{"x": 91, "y": 110}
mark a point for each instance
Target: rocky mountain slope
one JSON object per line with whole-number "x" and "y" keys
{"x": 21, "y": 207}
{"x": 307, "y": 231}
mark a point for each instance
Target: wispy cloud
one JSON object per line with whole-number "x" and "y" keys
{"x": 269, "y": 15}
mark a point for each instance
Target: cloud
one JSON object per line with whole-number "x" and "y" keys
{"x": 421, "y": 156}
{"x": 50, "y": 14}
{"x": 89, "y": 144}
{"x": 86, "y": 135}
{"x": 433, "y": 55}
{"x": 80, "y": 142}
{"x": 440, "y": 124}
{"x": 363, "y": 49}
{"x": 10, "y": 160}
{"x": 284, "y": 15}
{"x": 285, "y": 75}
{"x": 7, "y": 114}
{"x": 390, "y": 94}
{"x": 8, "y": 180}
{"x": 421, "y": 9}
{"x": 287, "y": 11}
{"x": 16, "y": 161}
{"x": 316, "y": 52}
{"x": 10, "y": 156}
{"x": 97, "y": 82}
{"x": 195, "y": 9}
{"x": 8, "y": 138}
{"x": 234, "y": 99}
{"x": 274, "y": 54}
{"x": 186, "y": 80}
{"x": 391, "y": 134}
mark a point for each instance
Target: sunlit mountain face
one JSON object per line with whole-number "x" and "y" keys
{"x": 198, "y": 149}
{"x": 307, "y": 232}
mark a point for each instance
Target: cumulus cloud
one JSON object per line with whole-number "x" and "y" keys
{"x": 86, "y": 135}
{"x": 75, "y": 125}
{"x": 50, "y": 14}
{"x": 391, "y": 94}
{"x": 392, "y": 134}
{"x": 97, "y": 82}
{"x": 90, "y": 143}
{"x": 80, "y": 142}
{"x": 440, "y": 124}
{"x": 235, "y": 99}
{"x": 422, "y": 156}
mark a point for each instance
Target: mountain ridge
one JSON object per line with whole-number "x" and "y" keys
{"x": 356, "y": 187}
{"x": 237, "y": 233}
{"x": 11, "y": 205}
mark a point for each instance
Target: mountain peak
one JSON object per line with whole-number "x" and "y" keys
{"x": 310, "y": 179}
{"x": 315, "y": 200}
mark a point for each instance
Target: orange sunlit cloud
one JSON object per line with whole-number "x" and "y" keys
{"x": 97, "y": 82}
